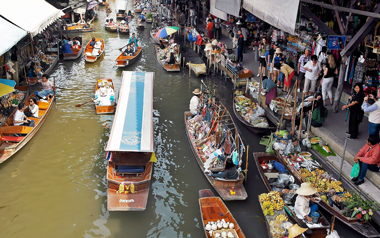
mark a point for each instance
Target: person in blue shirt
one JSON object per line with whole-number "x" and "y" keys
{"x": 32, "y": 73}
{"x": 133, "y": 39}
{"x": 142, "y": 17}
{"x": 93, "y": 41}
{"x": 276, "y": 64}
{"x": 269, "y": 90}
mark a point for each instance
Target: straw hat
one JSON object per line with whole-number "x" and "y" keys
{"x": 278, "y": 51}
{"x": 197, "y": 91}
{"x": 306, "y": 190}
{"x": 214, "y": 42}
{"x": 295, "y": 231}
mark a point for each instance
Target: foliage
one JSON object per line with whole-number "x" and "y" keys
{"x": 360, "y": 207}
{"x": 149, "y": 16}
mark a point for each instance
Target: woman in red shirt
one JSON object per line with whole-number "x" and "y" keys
{"x": 210, "y": 32}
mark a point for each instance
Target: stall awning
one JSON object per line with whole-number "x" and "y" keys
{"x": 219, "y": 14}
{"x": 231, "y": 7}
{"x": 11, "y": 35}
{"x": 132, "y": 127}
{"x": 121, "y": 5}
{"x": 278, "y": 13}
{"x": 32, "y": 16}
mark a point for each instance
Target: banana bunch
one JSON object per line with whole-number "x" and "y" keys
{"x": 279, "y": 204}
{"x": 282, "y": 217}
{"x": 336, "y": 185}
{"x": 267, "y": 205}
{"x": 346, "y": 195}
{"x": 264, "y": 197}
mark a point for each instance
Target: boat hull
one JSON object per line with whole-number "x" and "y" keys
{"x": 123, "y": 61}
{"x": 76, "y": 55}
{"x": 104, "y": 109}
{"x": 168, "y": 67}
{"x": 91, "y": 58}
{"x": 111, "y": 28}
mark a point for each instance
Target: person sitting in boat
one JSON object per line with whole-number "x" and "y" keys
{"x": 295, "y": 231}
{"x": 32, "y": 73}
{"x": 93, "y": 41}
{"x": 19, "y": 118}
{"x": 229, "y": 172}
{"x": 123, "y": 23}
{"x": 171, "y": 59}
{"x": 111, "y": 23}
{"x": 47, "y": 86}
{"x": 97, "y": 48}
{"x": 142, "y": 17}
{"x": 269, "y": 90}
{"x": 129, "y": 13}
{"x": 76, "y": 41}
{"x": 32, "y": 108}
{"x": 303, "y": 206}
{"x": 81, "y": 21}
{"x": 195, "y": 102}
{"x": 75, "y": 46}
{"x": 133, "y": 39}
{"x": 162, "y": 46}
{"x": 104, "y": 97}
{"x": 129, "y": 51}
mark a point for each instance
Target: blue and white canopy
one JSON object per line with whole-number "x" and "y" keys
{"x": 132, "y": 128}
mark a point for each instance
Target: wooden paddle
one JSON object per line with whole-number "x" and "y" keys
{"x": 123, "y": 46}
{"x": 79, "y": 105}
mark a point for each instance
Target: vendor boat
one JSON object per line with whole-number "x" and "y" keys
{"x": 364, "y": 228}
{"x": 268, "y": 175}
{"x": 124, "y": 60}
{"x": 9, "y": 143}
{"x": 149, "y": 20}
{"x": 90, "y": 49}
{"x": 123, "y": 29}
{"x": 138, "y": 9}
{"x": 140, "y": 26}
{"x": 54, "y": 63}
{"x": 238, "y": 113}
{"x": 130, "y": 148}
{"x": 104, "y": 109}
{"x": 228, "y": 189}
{"x": 120, "y": 7}
{"x": 108, "y": 10}
{"x": 168, "y": 67}
{"x": 111, "y": 28}
{"x": 76, "y": 52}
{"x": 74, "y": 28}
{"x": 213, "y": 209}
{"x": 155, "y": 40}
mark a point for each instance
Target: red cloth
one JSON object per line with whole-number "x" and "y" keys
{"x": 370, "y": 157}
{"x": 289, "y": 81}
{"x": 199, "y": 40}
{"x": 210, "y": 32}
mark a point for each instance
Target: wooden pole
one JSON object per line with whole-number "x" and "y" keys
{"x": 189, "y": 69}
{"x": 246, "y": 164}
{"x": 310, "y": 118}
{"x": 286, "y": 102}
{"x": 294, "y": 110}
{"x": 300, "y": 127}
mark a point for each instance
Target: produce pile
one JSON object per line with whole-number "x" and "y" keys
{"x": 271, "y": 201}
{"x": 250, "y": 111}
{"x": 221, "y": 228}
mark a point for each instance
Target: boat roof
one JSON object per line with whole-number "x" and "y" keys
{"x": 132, "y": 128}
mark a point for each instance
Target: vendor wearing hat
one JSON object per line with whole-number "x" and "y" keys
{"x": 195, "y": 101}
{"x": 296, "y": 231}
{"x": 303, "y": 206}
{"x": 276, "y": 65}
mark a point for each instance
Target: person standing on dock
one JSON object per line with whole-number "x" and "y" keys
{"x": 240, "y": 47}
{"x": 194, "y": 102}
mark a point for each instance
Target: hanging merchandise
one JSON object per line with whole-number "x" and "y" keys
{"x": 359, "y": 71}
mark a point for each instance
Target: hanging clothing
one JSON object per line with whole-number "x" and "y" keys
{"x": 359, "y": 73}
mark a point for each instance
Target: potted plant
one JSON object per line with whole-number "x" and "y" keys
{"x": 359, "y": 208}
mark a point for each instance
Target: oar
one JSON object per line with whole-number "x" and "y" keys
{"x": 123, "y": 46}
{"x": 79, "y": 105}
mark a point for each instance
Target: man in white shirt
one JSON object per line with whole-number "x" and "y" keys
{"x": 302, "y": 206}
{"x": 374, "y": 114}
{"x": 195, "y": 101}
{"x": 19, "y": 118}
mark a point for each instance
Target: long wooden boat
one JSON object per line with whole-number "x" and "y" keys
{"x": 112, "y": 28}
{"x": 52, "y": 66}
{"x": 260, "y": 157}
{"x": 130, "y": 148}
{"x": 76, "y": 52}
{"x": 167, "y": 67}
{"x": 228, "y": 189}
{"x": 364, "y": 228}
{"x": 138, "y": 10}
{"x": 104, "y": 109}
{"x": 88, "y": 51}
{"x": 120, "y": 8}
{"x": 155, "y": 40}
{"x": 123, "y": 29}
{"x": 10, "y": 144}
{"x": 108, "y": 10}
{"x": 213, "y": 209}
{"x": 123, "y": 60}
{"x": 140, "y": 26}
{"x": 149, "y": 20}
{"x": 252, "y": 128}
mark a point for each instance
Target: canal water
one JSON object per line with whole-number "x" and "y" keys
{"x": 56, "y": 185}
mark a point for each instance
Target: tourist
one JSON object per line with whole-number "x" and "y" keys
{"x": 301, "y": 70}
{"x": 374, "y": 114}
{"x": 19, "y": 118}
{"x": 195, "y": 102}
{"x": 129, "y": 51}
{"x": 240, "y": 47}
{"x": 210, "y": 32}
{"x": 269, "y": 59}
{"x": 70, "y": 42}
{"x": 322, "y": 56}
{"x": 93, "y": 41}
{"x": 329, "y": 72}
{"x": 319, "y": 114}
{"x": 133, "y": 39}
{"x": 276, "y": 65}
{"x": 295, "y": 231}
{"x": 302, "y": 207}
{"x": 244, "y": 32}
{"x": 75, "y": 46}
{"x": 192, "y": 15}
{"x": 47, "y": 86}
{"x": 313, "y": 70}
{"x": 218, "y": 29}
{"x": 229, "y": 172}
{"x": 356, "y": 112}
{"x": 289, "y": 73}
{"x": 104, "y": 97}
{"x": 32, "y": 108}
{"x": 269, "y": 90}
{"x": 368, "y": 158}
{"x": 262, "y": 49}
{"x": 76, "y": 41}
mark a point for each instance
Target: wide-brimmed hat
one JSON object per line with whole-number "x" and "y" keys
{"x": 278, "y": 51}
{"x": 295, "y": 231}
{"x": 214, "y": 42}
{"x": 197, "y": 91}
{"x": 306, "y": 190}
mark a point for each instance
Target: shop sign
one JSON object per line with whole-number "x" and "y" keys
{"x": 251, "y": 18}
{"x": 336, "y": 42}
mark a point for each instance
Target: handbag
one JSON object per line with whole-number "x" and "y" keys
{"x": 355, "y": 170}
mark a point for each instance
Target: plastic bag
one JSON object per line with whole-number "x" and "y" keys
{"x": 334, "y": 234}
{"x": 355, "y": 170}
{"x": 259, "y": 111}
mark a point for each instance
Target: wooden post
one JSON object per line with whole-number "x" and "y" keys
{"x": 294, "y": 109}
{"x": 300, "y": 127}
{"x": 246, "y": 163}
{"x": 286, "y": 102}
{"x": 189, "y": 69}
{"x": 310, "y": 118}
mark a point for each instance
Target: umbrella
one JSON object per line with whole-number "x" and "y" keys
{"x": 6, "y": 86}
{"x": 91, "y": 5}
{"x": 166, "y": 31}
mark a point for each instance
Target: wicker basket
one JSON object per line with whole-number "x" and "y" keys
{"x": 226, "y": 230}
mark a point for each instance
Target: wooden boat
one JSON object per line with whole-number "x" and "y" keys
{"x": 140, "y": 26}
{"x": 149, "y": 20}
{"x": 52, "y": 66}
{"x": 316, "y": 232}
{"x": 213, "y": 209}
{"x": 76, "y": 52}
{"x": 168, "y": 67}
{"x": 120, "y": 8}
{"x": 138, "y": 10}
{"x": 228, "y": 189}
{"x": 130, "y": 151}
{"x": 252, "y": 128}
{"x": 123, "y": 60}
{"x": 88, "y": 51}
{"x": 123, "y": 29}
{"x": 108, "y": 10}
{"x": 111, "y": 28}
{"x": 10, "y": 144}
{"x": 74, "y": 28}
{"x": 364, "y": 228}
{"x": 104, "y": 109}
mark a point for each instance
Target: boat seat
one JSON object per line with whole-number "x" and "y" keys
{"x": 130, "y": 169}
{"x": 41, "y": 113}
{"x": 12, "y": 138}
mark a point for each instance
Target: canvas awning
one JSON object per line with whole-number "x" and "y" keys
{"x": 132, "y": 128}
{"x": 278, "y": 13}
{"x": 231, "y": 7}
{"x": 11, "y": 35}
{"x": 121, "y": 5}
{"x": 219, "y": 14}
{"x": 32, "y": 16}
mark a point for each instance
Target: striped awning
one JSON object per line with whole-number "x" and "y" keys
{"x": 132, "y": 128}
